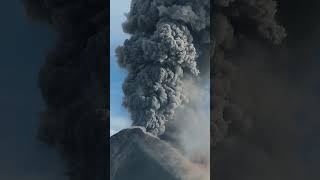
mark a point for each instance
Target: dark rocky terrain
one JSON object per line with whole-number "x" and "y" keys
{"x": 138, "y": 155}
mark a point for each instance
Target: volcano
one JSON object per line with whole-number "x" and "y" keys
{"x": 138, "y": 155}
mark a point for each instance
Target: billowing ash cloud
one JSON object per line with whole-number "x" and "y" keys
{"x": 233, "y": 21}
{"x": 164, "y": 49}
{"x": 256, "y": 16}
{"x": 73, "y": 83}
{"x": 262, "y": 97}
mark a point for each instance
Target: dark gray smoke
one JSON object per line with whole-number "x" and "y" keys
{"x": 73, "y": 82}
{"x": 165, "y": 49}
{"x": 233, "y": 20}
{"x": 263, "y": 97}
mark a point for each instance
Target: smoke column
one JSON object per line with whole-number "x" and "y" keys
{"x": 165, "y": 49}
{"x": 263, "y": 98}
{"x": 233, "y": 19}
{"x": 73, "y": 83}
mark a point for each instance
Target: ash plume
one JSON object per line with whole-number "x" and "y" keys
{"x": 231, "y": 21}
{"x": 165, "y": 48}
{"x": 73, "y": 83}
{"x": 262, "y": 97}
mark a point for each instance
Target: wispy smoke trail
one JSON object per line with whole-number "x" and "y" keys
{"x": 164, "y": 49}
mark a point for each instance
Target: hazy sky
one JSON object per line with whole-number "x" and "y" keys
{"x": 119, "y": 118}
{"x": 23, "y": 48}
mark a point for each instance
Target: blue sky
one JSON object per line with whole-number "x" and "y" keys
{"x": 119, "y": 117}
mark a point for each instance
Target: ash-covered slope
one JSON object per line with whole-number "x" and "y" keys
{"x": 138, "y": 155}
